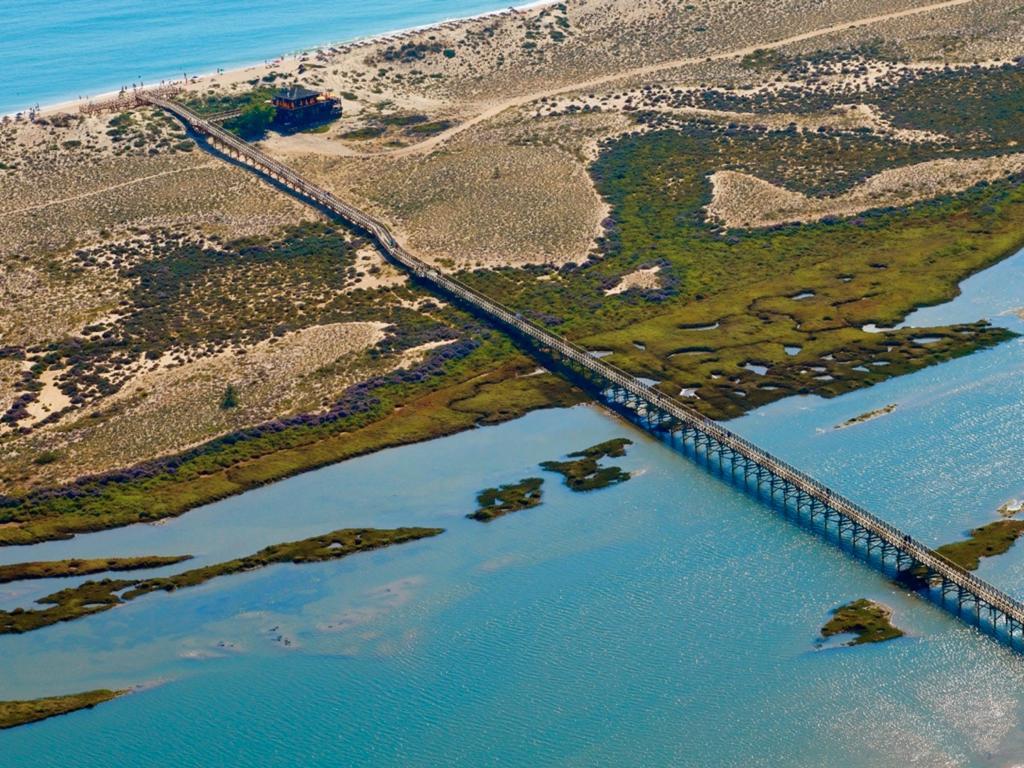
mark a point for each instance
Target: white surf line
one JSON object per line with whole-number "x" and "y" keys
{"x": 70, "y": 105}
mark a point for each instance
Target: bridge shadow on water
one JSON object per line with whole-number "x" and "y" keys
{"x": 793, "y": 494}
{"x": 910, "y": 577}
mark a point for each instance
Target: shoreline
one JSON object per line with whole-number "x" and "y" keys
{"x": 388, "y": 38}
{"x": 72, "y": 105}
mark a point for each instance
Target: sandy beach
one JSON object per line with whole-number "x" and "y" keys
{"x": 475, "y": 139}
{"x": 283, "y": 63}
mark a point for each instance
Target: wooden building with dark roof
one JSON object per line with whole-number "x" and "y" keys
{"x": 299, "y": 107}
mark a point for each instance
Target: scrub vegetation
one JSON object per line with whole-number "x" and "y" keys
{"x": 513, "y": 497}
{"x": 192, "y": 302}
{"x": 583, "y": 472}
{"x": 256, "y": 111}
{"x": 213, "y": 101}
{"x": 395, "y": 128}
{"x": 137, "y": 273}
{"x": 15, "y": 713}
{"x": 99, "y": 596}
{"x": 980, "y": 106}
{"x": 441, "y": 396}
{"x": 252, "y": 123}
{"x": 182, "y": 332}
{"x": 869, "y": 621}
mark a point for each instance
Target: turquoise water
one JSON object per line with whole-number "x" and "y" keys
{"x": 59, "y": 51}
{"x": 670, "y": 620}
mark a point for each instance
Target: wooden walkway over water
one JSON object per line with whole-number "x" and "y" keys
{"x": 812, "y": 502}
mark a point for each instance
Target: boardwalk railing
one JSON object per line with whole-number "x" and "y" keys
{"x": 227, "y": 114}
{"x": 937, "y": 566}
{"x": 128, "y": 98}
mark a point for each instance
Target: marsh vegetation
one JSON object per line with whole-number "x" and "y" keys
{"x": 877, "y": 413}
{"x": 868, "y": 621}
{"x": 116, "y": 333}
{"x": 657, "y": 184}
{"x": 51, "y": 569}
{"x": 513, "y": 497}
{"x": 15, "y": 713}
{"x": 988, "y": 540}
{"x": 583, "y": 472}
{"x": 93, "y": 597}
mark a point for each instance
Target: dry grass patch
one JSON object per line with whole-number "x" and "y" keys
{"x": 70, "y": 191}
{"x": 169, "y": 409}
{"x": 476, "y": 204}
{"x": 740, "y": 200}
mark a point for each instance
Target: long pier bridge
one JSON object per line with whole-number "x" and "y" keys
{"x": 972, "y": 599}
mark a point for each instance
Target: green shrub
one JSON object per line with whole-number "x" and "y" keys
{"x": 252, "y": 124}
{"x": 230, "y": 398}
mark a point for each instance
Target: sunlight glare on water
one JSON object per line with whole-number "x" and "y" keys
{"x": 670, "y": 620}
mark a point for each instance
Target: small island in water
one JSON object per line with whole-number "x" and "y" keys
{"x": 868, "y": 621}
{"x": 869, "y": 416}
{"x": 513, "y": 497}
{"x": 53, "y": 569}
{"x": 985, "y": 541}
{"x": 584, "y": 473}
{"x": 989, "y": 540}
{"x": 97, "y": 596}
{"x": 15, "y": 713}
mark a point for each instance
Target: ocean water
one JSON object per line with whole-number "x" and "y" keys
{"x": 668, "y": 621}
{"x": 59, "y": 50}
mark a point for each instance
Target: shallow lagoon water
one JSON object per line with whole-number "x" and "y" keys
{"x": 670, "y": 620}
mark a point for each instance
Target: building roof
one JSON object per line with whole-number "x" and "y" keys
{"x": 295, "y": 93}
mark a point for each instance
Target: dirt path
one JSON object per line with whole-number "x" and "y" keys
{"x": 84, "y": 195}
{"x": 306, "y": 144}
{"x": 496, "y": 109}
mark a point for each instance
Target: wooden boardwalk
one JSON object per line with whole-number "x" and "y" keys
{"x": 127, "y": 98}
{"x": 953, "y": 587}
